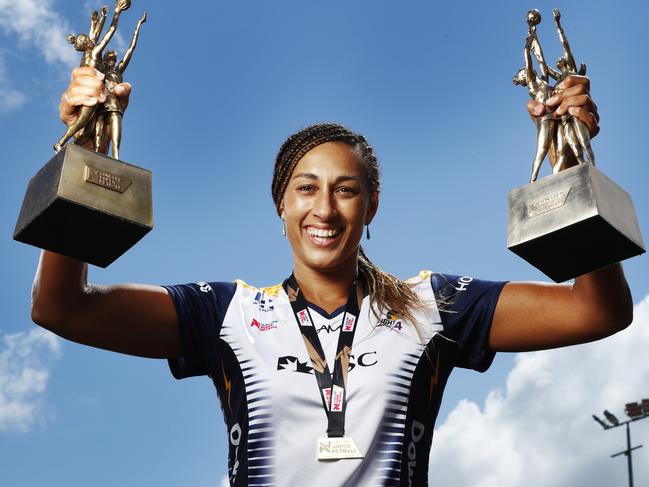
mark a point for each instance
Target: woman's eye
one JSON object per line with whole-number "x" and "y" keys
{"x": 346, "y": 190}
{"x": 307, "y": 188}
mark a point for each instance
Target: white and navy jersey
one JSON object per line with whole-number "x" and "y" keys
{"x": 247, "y": 340}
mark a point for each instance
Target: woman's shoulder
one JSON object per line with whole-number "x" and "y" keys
{"x": 273, "y": 290}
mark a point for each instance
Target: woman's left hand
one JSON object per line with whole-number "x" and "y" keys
{"x": 573, "y": 97}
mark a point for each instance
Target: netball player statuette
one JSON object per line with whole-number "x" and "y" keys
{"x": 82, "y": 203}
{"x": 575, "y": 220}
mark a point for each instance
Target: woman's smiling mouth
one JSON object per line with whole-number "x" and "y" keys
{"x": 323, "y": 236}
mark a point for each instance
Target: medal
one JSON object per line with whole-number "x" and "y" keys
{"x": 336, "y": 449}
{"x": 331, "y": 387}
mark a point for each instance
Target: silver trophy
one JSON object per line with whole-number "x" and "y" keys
{"x": 575, "y": 220}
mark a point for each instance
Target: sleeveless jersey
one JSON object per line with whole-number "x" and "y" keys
{"x": 248, "y": 342}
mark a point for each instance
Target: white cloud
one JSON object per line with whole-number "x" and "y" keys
{"x": 225, "y": 481}
{"x": 10, "y": 98}
{"x": 539, "y": 431}
{"x": 24, "y": 361}
{"x": 32, "y": 24}
{"x": 36, "y": 24}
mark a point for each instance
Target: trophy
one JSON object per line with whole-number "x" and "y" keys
{"x": 575, "y": 220}
{"x": 82, "y": 203}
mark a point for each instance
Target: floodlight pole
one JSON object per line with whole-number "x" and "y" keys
{"x": 614, "y": 423}
{"x": 628, "y": 450}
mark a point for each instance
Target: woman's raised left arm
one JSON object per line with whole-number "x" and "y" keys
{"x": 535, "y": 316}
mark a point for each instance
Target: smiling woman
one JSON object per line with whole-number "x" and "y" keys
{"x": 328, "y": 179}
{"x": 335, "y": 376}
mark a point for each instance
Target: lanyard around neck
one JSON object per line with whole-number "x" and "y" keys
{"x": 333, "y": 388}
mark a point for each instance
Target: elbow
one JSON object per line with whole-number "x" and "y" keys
{"x": 48, "y": 314}
{"x": 617, "y": 321}
{"x": 46, "y": 317}
{"x": 626, "y": 316}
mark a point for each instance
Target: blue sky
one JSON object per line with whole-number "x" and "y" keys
{"x": 217, "y": 88}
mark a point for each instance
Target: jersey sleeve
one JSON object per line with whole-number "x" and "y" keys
{"x": 466, "y": 306}
{"x": 200, "y": 309}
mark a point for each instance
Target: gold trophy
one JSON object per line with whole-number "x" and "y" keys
{"x": 82, "y": 203}
{"x": 575, "y": 220}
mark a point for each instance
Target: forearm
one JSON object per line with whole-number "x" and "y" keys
{"x": 605, "y": 297}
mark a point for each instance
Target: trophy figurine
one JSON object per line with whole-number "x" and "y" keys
{"x": 575, "y": 220}
{"x": 82, "y": 203}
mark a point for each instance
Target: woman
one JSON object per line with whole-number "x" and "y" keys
{"x": 270, "y": 352}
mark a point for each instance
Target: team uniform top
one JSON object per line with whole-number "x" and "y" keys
{"x": 248, "y": 342}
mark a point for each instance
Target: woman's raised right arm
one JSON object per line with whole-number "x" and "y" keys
{"x": 128, "y": 318}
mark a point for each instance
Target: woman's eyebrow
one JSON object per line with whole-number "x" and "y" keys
{"x": 339, "y": 179}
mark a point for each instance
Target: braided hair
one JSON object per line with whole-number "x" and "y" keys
{"x": 387, "y": 291}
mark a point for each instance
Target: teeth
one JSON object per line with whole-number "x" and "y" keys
{"x": 320, "y": 232}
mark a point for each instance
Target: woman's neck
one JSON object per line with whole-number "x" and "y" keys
{"x": 328, "y": 290}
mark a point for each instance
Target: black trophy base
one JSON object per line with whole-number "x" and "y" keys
{"x": 572, "y": 223}
{"x": 86, "y": 205}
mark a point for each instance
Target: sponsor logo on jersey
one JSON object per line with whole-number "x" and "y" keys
{"x": 303, "y": 316}
{"x": 329, "y": 328}
{"x": 463, "y": 283}
{"x": 366, "y": 359}
{"x": 391, "y": 320}
{"x": 263, "y": 305}
{"x": 264, "y": 326}
{"x": 204, "y": 287}
{"x": 337, "y": 399}
{"x": 294, "y": 364}
{"x": 235, "y": 439}
{"x": 417, "y": 431}
{"x": 350, "y": 321}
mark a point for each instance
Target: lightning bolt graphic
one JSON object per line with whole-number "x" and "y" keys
{"x": 434, "y": 379}
{"x": 227, "y": 384}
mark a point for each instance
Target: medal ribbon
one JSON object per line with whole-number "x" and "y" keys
{"x": 333, "y": 388}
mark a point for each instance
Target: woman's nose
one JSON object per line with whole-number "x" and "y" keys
{"x": 324, "y": 206}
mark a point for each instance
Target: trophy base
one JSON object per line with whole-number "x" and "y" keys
{"x": 86, "y": 205}
{"x": 572, "y": 223}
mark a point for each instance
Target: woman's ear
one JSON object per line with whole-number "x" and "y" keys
{"x": 372, "y": 208}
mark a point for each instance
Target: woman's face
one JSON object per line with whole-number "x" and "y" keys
{"x": 325, "y": 207}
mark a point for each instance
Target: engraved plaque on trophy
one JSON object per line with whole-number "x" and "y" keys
{"x": 82, "y": 203}
{"x": 575, "y": 220}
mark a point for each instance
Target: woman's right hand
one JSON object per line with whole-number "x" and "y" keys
{"x": 87, "y": 88}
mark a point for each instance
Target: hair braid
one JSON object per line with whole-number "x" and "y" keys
{"x": 386, "y": 290}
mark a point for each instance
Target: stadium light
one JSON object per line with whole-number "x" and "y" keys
{"x": 645, "y": 406}
{"x": 635, "y": 412}
{"x": 602, "y": 423}
{"x": 611, "y": 418}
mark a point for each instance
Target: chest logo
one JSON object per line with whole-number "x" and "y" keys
{"x": 294, "y": 364}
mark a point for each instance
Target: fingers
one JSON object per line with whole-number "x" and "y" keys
{"x": 86, "y": 88}
{"x": 574, "y": 80}
{"x": 123, "y": 92}
{"x": 572, "y": 96}
{"x": 587, "y": 117}
{"x": 535, "y": 108}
